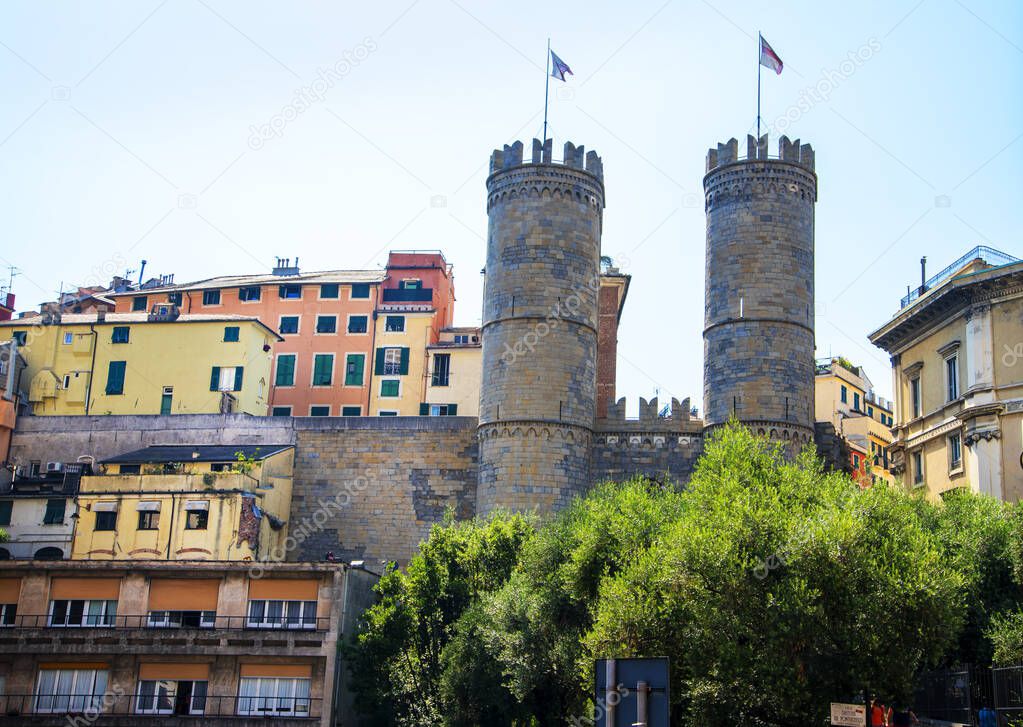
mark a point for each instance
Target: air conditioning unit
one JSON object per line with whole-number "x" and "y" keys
{"x": 54, "y": 466}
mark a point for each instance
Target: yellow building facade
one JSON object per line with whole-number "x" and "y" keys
{"x": 957, "y": 357}
{"x": 400, "y": 361}
{"x": 844, "y": 396}
{"x": 144, "y": 363}
{"x": 455, "y": 373}
{"x": 182, "y": 502}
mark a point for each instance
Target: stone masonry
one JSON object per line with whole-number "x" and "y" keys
{"x": 759, "y": 308}
{"x": 538, "y": 394}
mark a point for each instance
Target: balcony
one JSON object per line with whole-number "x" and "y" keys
{"x": 402, "y": 295}
{"x": 177, "y": 482}
{"x": 116, "y": 708}
{"x": 175, "y": 633}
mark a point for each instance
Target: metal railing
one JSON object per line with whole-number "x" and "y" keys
{"x": 113, "y": 703}
{"x": 955, "y": 695}
{"x": 987, "y": 254}
{"x": 146, "y": 621}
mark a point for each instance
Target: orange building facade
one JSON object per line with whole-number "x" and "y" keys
{"x": 329, "y": 322}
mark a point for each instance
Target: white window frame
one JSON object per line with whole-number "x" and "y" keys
{"x": 916, "y": 396}
{"x": 84, "y": 690}
{"x": 298, "y": 326}
{"x": 69, "y": 338}
{"x": 230, "y": 379}
{"x": 266, "y": 620}
{"x": 351, "y": 406}
{"x": 394, "y": 365}
{"x": 282, "y": 406}
{"x": 955, "y": 442}
{"x": 317, "y": 406}
{"x": 107, "y": 616}
{"x": 404, "y": 321}
{"x": 952, "y": 382}
{"x": 279, "y": 696}
{"x": 348, "y": 324}
{"x": 316, "y": 331}
{"x": 387, "y": 412}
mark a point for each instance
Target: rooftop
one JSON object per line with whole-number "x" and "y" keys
{"x": 236, "y": 281}
{"x": 164, "y": 453}
{"x": 987, "y": 255}
{"x": 71, "y": 319}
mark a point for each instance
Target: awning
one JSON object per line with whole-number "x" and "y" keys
{"x": 105, "y": 506}
{"x": 148, "y": 506}
{"x": 184, "y": 594}
{"x": 158, "y": 671}
{"x": 197, "y": 505}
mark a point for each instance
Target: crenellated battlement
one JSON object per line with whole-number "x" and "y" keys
{"x": 680, "y": 418}
{"x": 575, "y": 157}
{"x": 756, "y": 150}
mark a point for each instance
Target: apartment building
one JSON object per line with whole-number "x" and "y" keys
{"x": 202, "y": 643}
{"x": 159, "y": 361}
{"x": 12, "y": 397}
{"x": 956, "y": 347}
{"x": 354, "y": 341}
{"x": 38, "y": 510}
{"x": 184, "y": 502}
{"x": 453, "y": 381}
{"x": 844, "y": 397}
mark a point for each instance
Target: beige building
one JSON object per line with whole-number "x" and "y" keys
{"x": 844, "y": 397}
{"x": 957, "y": 362}
{"x": 453, "y": 383}
{"x": 128, "y": 643}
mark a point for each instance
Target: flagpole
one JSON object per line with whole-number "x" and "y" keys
{"x": 547, "y": 90}
{"x": 760, "y": 44}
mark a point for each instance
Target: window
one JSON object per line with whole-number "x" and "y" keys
{"x": 355, "y": 364}
{"x": 249, "y": 294}
{"x": 8, "y": 614}
{"x": 285, "y": 370}
{"x": 231, "y": 334}
{"x": 6, "y": 506}
{"x": 394, "y": 324}
{"x": 329, "y": 291}
{"x": 441, "y": 369}
{"x": 290, "y": 292}
{"x": 130, "y": 469}
{"x": 856, "y": 401}
{"x": 870, "y": 412}
{"x": 392, "y": 361}
{"x": 211, "y": 297}
{"x": 326, "y": 324}
{"x": 273, "y": 696}
{"x": 139, "y": 303}
{"x": 438, "y": 410}
{"x": 171, "y": 697}
{"x": 351, "y": 411}
{"x": 461, "y": 338}
{"x": 227, "y": 378}
{"x": 149, "y": 520}
{"x": 845, "y": 395}
{"x": 182, "y": 619}
{"x": 66, "y": 383}
{"x": 357, "y": 324}
{"x": 918, "y": 468}
{"x": 323, "y": 369}
{"x": 197, "y": 519}
{"x": 68, "y": 338}
{"x": 166, "y": 400}
{"x": 120, "y": 334}
{"x": 70, "y": 690}
{"x": 390, "y": 387}
{"x": 360, "y": 290}
{"x": 955, "y": 451}
{"x": 54, "y": 514}
{"x": 411, "y": 284}
{"x": 914, "y": 396}
{"x": 115, "y": 377}
{"x": 387, "y": 413}
{"x": 106, "y": 520}
{"x": 282, "y": 614}
{"x": 952, "y": 378}
{"x": 83, "y": 612}
{"x": 281, "y": 411}
{"x": 289, "y": 324}
{"x": 319, "y": 411}
{"x": 174, "y": 298}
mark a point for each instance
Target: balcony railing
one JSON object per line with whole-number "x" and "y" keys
{"x": 112, "y": 703}
{"x": 987, "y": 254}
{"x": 145, "y": 621}
{"x": 403, "y": 295}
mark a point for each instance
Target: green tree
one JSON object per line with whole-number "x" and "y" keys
{"x": 396, "y": 661}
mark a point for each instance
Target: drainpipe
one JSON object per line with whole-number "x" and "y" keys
{"x": 92, "y": 366}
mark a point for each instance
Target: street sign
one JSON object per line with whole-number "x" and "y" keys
{"x": 848, "y": 715}
{"x": 630, "y": 692}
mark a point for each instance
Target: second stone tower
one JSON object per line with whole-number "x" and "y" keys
{"x": 538, "y": 393}
{"x": 758, "y": 336}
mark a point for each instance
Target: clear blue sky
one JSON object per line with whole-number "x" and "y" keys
{"x": 125, "y": 134}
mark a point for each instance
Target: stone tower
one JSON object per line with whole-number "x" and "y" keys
{"x": 758, "y": 336}
{"x": 538, "y": 392}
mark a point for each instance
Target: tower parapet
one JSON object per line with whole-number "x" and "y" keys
{"x": 759, "y": 302}
{"x": 538, "y": 394}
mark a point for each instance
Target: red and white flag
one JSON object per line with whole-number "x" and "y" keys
{"x": 768, "y": 57}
